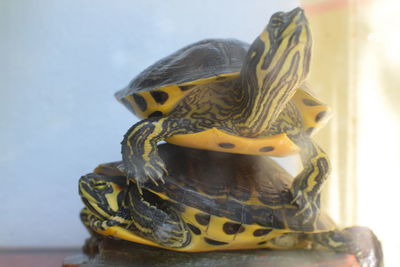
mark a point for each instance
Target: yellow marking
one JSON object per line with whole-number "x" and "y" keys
{"x": 255, "y": 201}
{"x": 130, "y": 137}
{"x": 309, "y": 113}
{"x": 100, "y": 210}
{"x": 264, "y": 37}
{"x": 112, "y": 199}
{"x": 252, "y": 201}
{"x": 117, "y": 231}
{"x": 210, "y": 140}
{"x": 311, "y": 180}
{"x": 119, "y": 219}
{"x": 175, "y": 94}
{"x": 147, "y": 145}
{"x": 108, "y": 169}
{"x": 88, "y": 196}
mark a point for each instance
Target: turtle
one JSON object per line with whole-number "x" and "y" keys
{"x": 213, "y": 201}
{"x": 225, "y": 95}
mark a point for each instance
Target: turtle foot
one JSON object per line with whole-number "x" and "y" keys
{"x": 365, "y": 245}
{"x": 141, "y": 171}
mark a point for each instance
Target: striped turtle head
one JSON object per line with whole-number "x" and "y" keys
{"x": 289, "y": 39}
{"x": 103, "y": 196}
{"x": 276, "y": 65}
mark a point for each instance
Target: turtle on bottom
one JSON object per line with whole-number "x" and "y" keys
{"x": 225, "y": 95}
{"x": 213, "y": 201}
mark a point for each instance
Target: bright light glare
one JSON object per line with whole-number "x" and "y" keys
{"x": 378, "y": 134}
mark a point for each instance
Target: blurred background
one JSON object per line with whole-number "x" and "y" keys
{"x": 62, "y": 61}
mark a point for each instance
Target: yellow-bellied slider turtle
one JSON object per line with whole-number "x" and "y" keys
{"x": 212, "y": 201}
{"x": 219, "y": 95}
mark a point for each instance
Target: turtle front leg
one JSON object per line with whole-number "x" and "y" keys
{"x": 139, "y": 149}
{"x": 306, "y": 186}
{"x": 156, "y": 220}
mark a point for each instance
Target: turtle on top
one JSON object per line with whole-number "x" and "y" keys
{"x": 223, "y": 106}
{"x": 225, "y": 95}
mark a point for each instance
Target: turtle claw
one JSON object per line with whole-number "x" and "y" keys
{"x": 171, "y": 234}
{"x": 140, "y": 172}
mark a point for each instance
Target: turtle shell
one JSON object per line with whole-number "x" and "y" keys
{"x": 161, "y": 85}
{"x": 243, "y": 188}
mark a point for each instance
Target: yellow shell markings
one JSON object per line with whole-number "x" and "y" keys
{"x": 218, "y": 140}
{"x": 211, "y": 233}
{"x": 174, "y": 93}
{"x": 315, "y": 113}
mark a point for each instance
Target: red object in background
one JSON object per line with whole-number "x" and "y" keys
{"x": 35, "y": 258}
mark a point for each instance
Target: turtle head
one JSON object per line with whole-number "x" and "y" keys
{"x": 102, "y": 195}
{"x": 287, "y": 41}
{"x": 276, "y": 64}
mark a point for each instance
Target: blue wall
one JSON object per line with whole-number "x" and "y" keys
{"x": 60, "y": 63}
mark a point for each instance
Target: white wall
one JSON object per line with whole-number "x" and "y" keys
{"x": 60, "y": 63}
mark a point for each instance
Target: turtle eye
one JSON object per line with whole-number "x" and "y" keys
{"x": 100, "y": 185}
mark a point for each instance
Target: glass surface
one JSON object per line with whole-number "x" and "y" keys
{"x": 355, "y": 68}
{"x": 61, "y": 62}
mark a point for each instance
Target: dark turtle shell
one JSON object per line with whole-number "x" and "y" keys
{"x": 203, "y": 59}
{"x": 165, "y": 82}
{"x": 244, "y": 188}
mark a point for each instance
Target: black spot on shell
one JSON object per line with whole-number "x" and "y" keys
{"x": 262, "y": 243}
{"x": 232, "y": 228}
{"x": 156, "y": 114}
{"x": 261, "y": 232}
{"x": 266, "y": 149}
{"x": 310, "y": 130}
{"x": 140, "y": 101}
{"x": 203, "y": 219}
{"x": 186, "y": 87}
{"x": 194, "y": 229}
{"x": 159, "y": 96}
{"x": 214, "y": 242}
{"x": 310, "y": 102}
{"x": 320, "y": 116}
{"x": 226, "y": 145}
